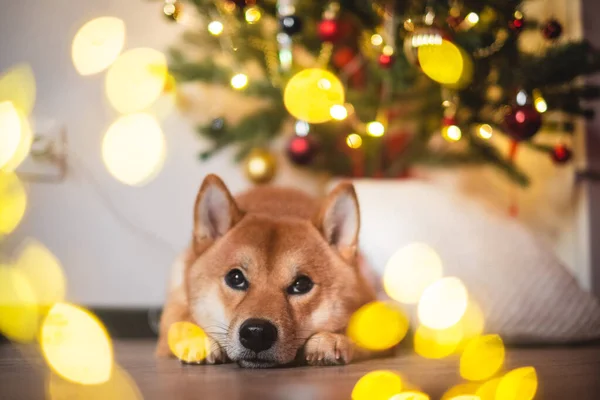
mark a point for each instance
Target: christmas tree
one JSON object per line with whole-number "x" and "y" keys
{"x": 374, "y": 88}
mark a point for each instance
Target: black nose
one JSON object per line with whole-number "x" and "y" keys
{"x": 257, "y": 334}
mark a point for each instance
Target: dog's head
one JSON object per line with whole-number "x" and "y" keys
{"x": 260, "y": 286}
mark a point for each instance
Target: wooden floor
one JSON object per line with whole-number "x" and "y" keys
{"x": 564, "y": 374}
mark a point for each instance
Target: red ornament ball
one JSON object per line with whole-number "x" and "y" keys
{"x": 328, "y": 30}
{"x": 561, "y": 154}
{"x": 516, "y": 24}
{"x": 552, "y": 29}
{"x": 343, "y": 56}
{"x": 386, "y": 61}
{"x": 522, "y": 122}
{"x": 301, "y": 150}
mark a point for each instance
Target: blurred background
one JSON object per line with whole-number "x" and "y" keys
{"x": 115, "y": 236}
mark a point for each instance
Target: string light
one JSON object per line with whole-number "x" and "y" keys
{"x": 452, "y": 133}
{"x": 253, "y": 15}
{"x": 376, "y": 40}
{"x": 215, "y": 28}
{"x": 443, "y": 303}
{"x": 521, "y": 98}
{"x": 354, "y": 141}
{"x": 338, "y": 112}
{"x": 239, "y": 81}
{"x": 97, "y": 44}
{"x": 539, "y": 102}
{"x": 375, "y": 129}
{"x": 473, "y": 18}
{"x": 485, "y": 131}
{"x": 388, "y": 50}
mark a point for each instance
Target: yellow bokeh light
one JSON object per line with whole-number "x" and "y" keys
{"x": 464, "y": 391}
{"x": 443, "y": 303}
{"x": 410, "y": 271}
{"x": 215, "y": 28}
{"x": 188, "y": 342}
{"x": 239, "y": 81}
{"x": 354, "y": 141}
{"x": 472, "y": 321}
{"x": 378, "y": 326}
{"x": 133, "y": 149}
{"x": 120, "y": 386}
{"x": 540, "y": 105}
{"x": 253, "y": 15}
{"x": 13, "y": 201}
{"x": 310, "y": 94}
{"x": 338, "y": 112}
{"x": 518, "y": 384}
{"x": 17, "y": 85}
{"x": 44, "y": 273}
{"x": 482, "y": 358}
{"x": 485, "y": 131}
{"x": 452, "y": 133}
{"x": 377, "y": 385}
{"x": 375, "y": 129}
{"x": 487, "y": 391}
{"x": 136, "y": 79}
{"x": 376, "y": 40}
{"x": 97, "y": 44}
{"x": 76, "y": 345}
{"x": 410, "y": 396}
{"x": 388, "y": 50}
{"x": 23, "y": 148}
{"x": 465, "y": 397}
{"x": 446, "y": 63}
{"x": 19, "y": 313}
{"x": 10, "y": 132}
{"x": 435, "y": 344}
{"x": 473, "y": 18}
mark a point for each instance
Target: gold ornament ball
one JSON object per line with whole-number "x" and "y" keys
{"x": 260, "y": 166}
{"x": 494, "y": 93}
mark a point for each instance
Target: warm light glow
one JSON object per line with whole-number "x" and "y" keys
{"x": 472, "y": 322}
{"x": 388, "y": 50}
{"x": 97, "y": 44}
{"x": 23, "y": 148}
{"x": 338, "y": 112}
{"x": 253, "y": 15}
{"x": 410, "y": 396}
{"x": 451, "y": 133}
{"x": 485, "y": 131}
{"x": 354, "y": 141}
{"x": 19, "y": 314}
{"x": 239, "y": 81}
{"x": 13, "y": 201}
{"x": 482, "y": 358}
{"x": 443, "y": 303}
{"x": 473, "y": 18}
{"x": 43, "y": 272}
{"x": 391, "y": 323}
{"x": 435, "y": 344}
{"x": 302, "y": 128}
{"x": 258, "y": 166}
{"x": 376, "y": 40}
{"x": 76, "y": 345}
{"x": 17, "y": 85}
{"x": 311, "y": 93}
{"x": 133, "y": 149}
{"x": 464, "y": 391}
{"x": 120, "y": 386}
{"x": 375, "y": 129}
{"x": 377, "y": 385}
{"x": 446, "y": 63}
{"x": 410, "y": 271}
{"x": 518, "y": 384}
{"x": 215, "y": 28}
{"x": 136, "y": 80}
{"x": 487, "y": 391}
{"x": 10, "y": 132}
{"x": 188, "y": 342}
{"x": 540, "y": 105}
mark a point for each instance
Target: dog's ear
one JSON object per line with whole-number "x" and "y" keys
{"x": 215, "y": 212}
{"x": 339, "y": 220}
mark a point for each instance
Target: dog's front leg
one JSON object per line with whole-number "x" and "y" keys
{"x": 328, "y": 348}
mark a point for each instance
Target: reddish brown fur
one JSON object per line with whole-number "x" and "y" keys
{"x": 273, "y": 235}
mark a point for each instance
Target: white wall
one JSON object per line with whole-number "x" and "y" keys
{"x": 107, "y": 262}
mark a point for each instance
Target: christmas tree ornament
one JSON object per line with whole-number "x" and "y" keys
{"x": 552, "y": 29}
{"x": 522, "y": 122}
{"x": 420, "y": 36}
{"x": 323, "y": 89}
{"x": 561, "y": 154}
{"x": 301, "y": 150}
{"x": 450, "y": 131}
{"x": 328, "y": 30}
{"x": 343, "y": 56}
{"x": 446, "y": 63}
{"x": 260, "y": 166}
{"x": 291, "y": 24}
{"x": 386, "y": 61}
{"x": 172, "y": 9}
{"x": 517, "y": 23}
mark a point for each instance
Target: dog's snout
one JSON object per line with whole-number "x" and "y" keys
{"x": 258, "y": 334}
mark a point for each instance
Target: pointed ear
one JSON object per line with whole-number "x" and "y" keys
{"x": 339, "y": 220}
{"x": 215, "y": 212}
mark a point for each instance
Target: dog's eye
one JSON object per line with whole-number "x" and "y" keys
{"x": 235, "y": 279}
{"x": 301, "y": 285}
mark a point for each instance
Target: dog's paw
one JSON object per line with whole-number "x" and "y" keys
{"x": 328, "y": 349}
{"x": 211, "y": 354}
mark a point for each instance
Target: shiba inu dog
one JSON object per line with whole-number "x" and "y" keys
{"x": 271, "y": 276}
